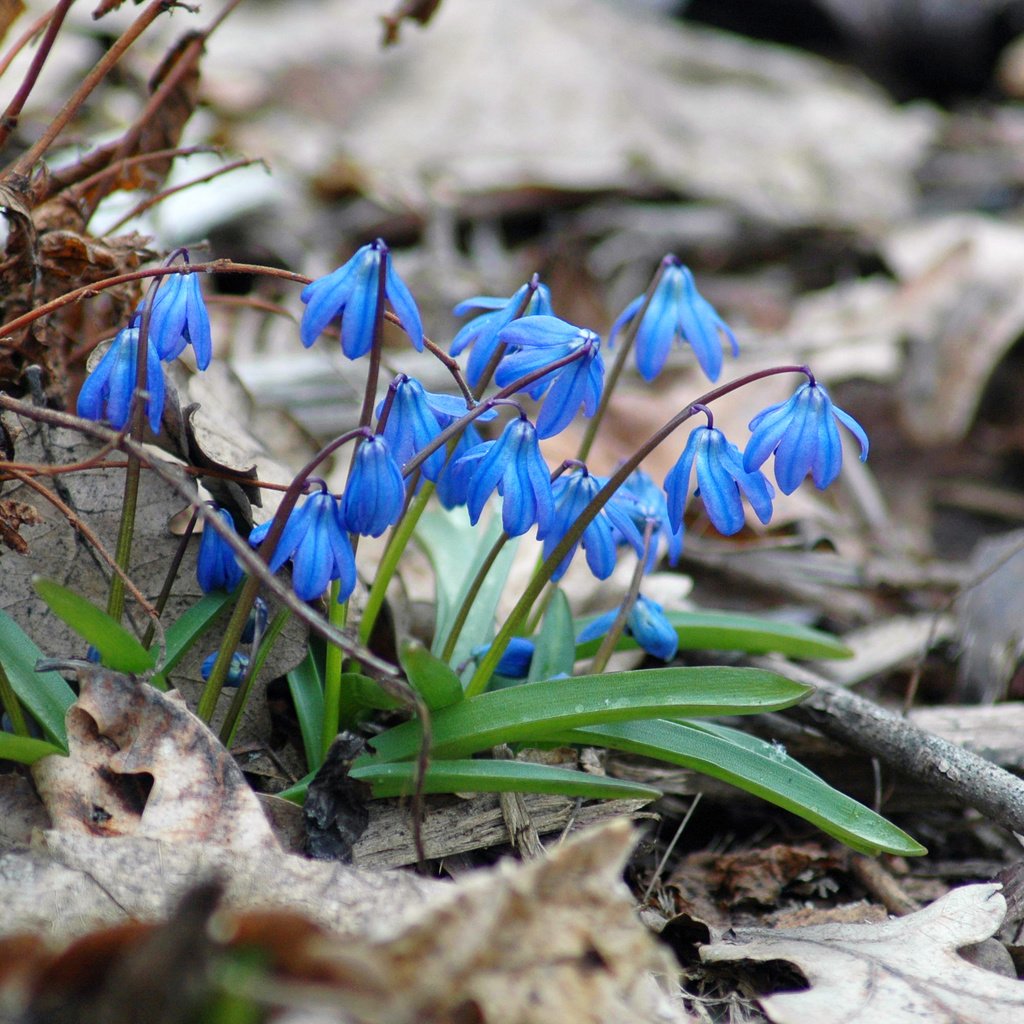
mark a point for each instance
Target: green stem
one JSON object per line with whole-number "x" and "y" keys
{"x": 337, "y": 615}
{"x": 229, "y": 644}
{"x": 485, "y": 669}
{"x": 12, "y": 705}
{"x": 241, "y": 697}
{"x": 397, "y": 544}
{"x": 467, "y": 602}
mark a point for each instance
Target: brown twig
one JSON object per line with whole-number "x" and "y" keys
{"x": 23, "y": 40}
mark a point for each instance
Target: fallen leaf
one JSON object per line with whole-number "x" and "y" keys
{"x": 902, "y": 971}
{"x": 14, "y": 515}
{"x": 142, "y": 764}
{"x": 9, "y": 11}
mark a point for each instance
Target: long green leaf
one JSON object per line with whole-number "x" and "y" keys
{"x": 188, "y": 628}
{"x": 45, "y": 695}
{"x": 763, "y": 769}
{"x": 307, "y": 690}
{"x": 25, "y": 749}
{"x": 726, "y": 631}
{"x": 497, "y": 777}
{"x": 118, "y": 648}
{"x": 555, "y": 650}
{"x": 436, "y": 683}
{"x": 535, "y": 710}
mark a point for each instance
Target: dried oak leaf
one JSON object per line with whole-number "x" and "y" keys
{"x": 902, "y": 971}
{"x": 142, "y": 764}
{"x": 10, "y": 10}
{"x": 13, "y": 516}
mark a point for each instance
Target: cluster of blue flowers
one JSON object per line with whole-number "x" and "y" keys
{"x": 528, "y": 351}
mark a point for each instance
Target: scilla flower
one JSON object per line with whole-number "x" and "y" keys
{"x": 315, "y": 538}
{"x": 516, "y": 467}
{"x": 216, "y": 565}
{"x": 179, "y": 318}
{"x": 645, "y": 501}
{"x": 375, "y": 493}
{"x": 515, "y": 662}
{"x": 482, "y": 331}
{"x": 237, "y": 668}
{"x": 677, "y": 312}
{"x": 572, "y": 493}
{"x": 722, "y": 482}
{"x": 802, "y": 433}
{"x": 539, "y": 341}
{"x": 107, "y": 391}
{"x": 350, "y": 293}
{"x": 646, "y": 623}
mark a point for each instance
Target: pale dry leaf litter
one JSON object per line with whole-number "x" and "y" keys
{"x": 903, "y": 971}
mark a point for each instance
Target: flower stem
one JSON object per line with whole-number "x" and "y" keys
{"x": 471, "y": 594}
{"x": 337, "y": 615}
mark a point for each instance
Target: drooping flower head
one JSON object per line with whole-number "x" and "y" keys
{"x": 237, "y": 668}
{"x": 677, "y": 312}
{"x": 538, "y": 341}
{"x": 646, "y": 623}
{"x": 376, "y": 492}
{"x": 216, "y": 565}
{"x": 572, "y": 493}
{"x": 316, "y": 540}
{"x": 722, "y": 482}
{"x": 107, "y": 391}
{"x": 514, "y": 465}
{"x": 645, "y": 501}
{"x": 482, "y": 331}
{"x": 453, "y": 482}
{"x": 802, "y": 433}
{"x": 350, "y": 293}
{"x": 179, "y": 318}
{"x": 515, "y": 662}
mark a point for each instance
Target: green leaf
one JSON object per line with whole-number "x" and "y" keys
{"x": 725, "y": 631}
{"x": 456, "y": 550}
{"x": 436, "y": 683}
{"x": 26, "y": 749}
{"x": 118, "y": 648}
{"x": 497, "y": 777}
{"x": 307, "y": 690}
{"x": 534, "y": 711}
{"x": 45, "y": 695}
{"x": 555, "y": 650}
{"x": 366, "y": 693}
{"x": 190, "y": 626}
{"x": 763, "y": 769}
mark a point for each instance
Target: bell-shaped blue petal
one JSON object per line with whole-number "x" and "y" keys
{"x": 237, "y": 668}
{"x": 803, "y": 435}
{"x": 646, "y": 623}
{"x": 107, "y": 391}
{"x": 179, "y": 318}
{"x": 482, "y": 331}
{"x": 412, "y": 425}
{"x": 515, "y": 466}
{"x": 722, "y": 482}
{"x": 376, "y": 492}
{"x": 256, "y": 624}
{"x": 216, "y": 565}
{"x": 351, "y": 294}
{"x": 572, "y": 494}
{"x": 645, "y": 501}
{"x": 453, "y": 483}
{"x": 316, "y": 540}
{"x": 515, "y": 662}
{"x": 677, "y": 312}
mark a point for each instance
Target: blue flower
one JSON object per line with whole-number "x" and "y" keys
{"x": 572, "y": 493}
{"x": 108, "y": 389}
{"x": 516, "y": 467}
{"x": 482, "y": 331}
{"x": 316, "y": 540}
{"x": 802, "y": 433}
{"x": 537, "y": 342}
{"x": 350, "y": 292}
{"x": 237, "y": 668}
{"x": 375, "y": 492}
{"x": 721, "y": 481}
{"x": 216, "y": 565}
{"x": 412, "y": 424}
{"x": 515, "y": 662}
{"x": 257, "y": 621}
{"x": 179, "y": 318}
{"x": 676, "y": 312}
{"x": 645, "y": 501}
{"x": 646, "y": 623}
{"x": 453, "y": 483}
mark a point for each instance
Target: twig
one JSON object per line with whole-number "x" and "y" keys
{"x": 878, "y": 880}
{"x": 921, "y": 755}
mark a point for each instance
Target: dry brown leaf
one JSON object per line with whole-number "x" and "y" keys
{"x": 13, "y": 516}
{"x": 902, "y": 971}
{"x": 142, "y": 764}
{"x": 10, "y": 10}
